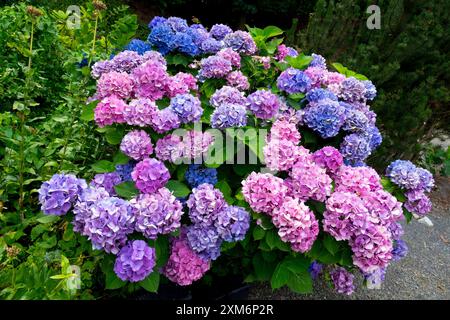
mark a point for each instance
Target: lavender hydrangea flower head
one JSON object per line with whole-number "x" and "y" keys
{"x": 136, "y": 144}
{"x": 196, "y": 144}
{"x": 214, "y": 67}
{"x": 238, "y": 80}
{"x": 211, "y": 45}
{"x": 150, "y": 175}
{"x": 396, "y": 230}
{"x": 263, "y": 104}
{"x": 371, "y": 92}
{"x": 205, "y": 203}
{"x": 204, "y": 240}
{"x": 177, "y": 24}
{"x": 114, "y": 83}
{"x": 352, "y": 90}
{"x": 375, "y": 278}
{"x": 343, "y": 281}
{"x": 356, "y": 121}
{"x": 229, "y": 116}
{"x": 404, "y": 174}
{"x": 187, "y": 107}
{"x": 232, "y": 223}
{"x": 400, "y": 250}
{"x": 154, "y": 56}
{"x": 157, "y": 213}
{"x": 169, "y": 148}
{"x": 138, "y": 46}
{"x": 227, "y": 94}
{"x": 110, "y": 221}
{"x": 57, "y": 195}
{"x": 263, "y": 191}
{"x": 326, "y": 118}
{"x": 355, "y": 149}
{"x": 318, "y": 61}
{"x": 418, "y": 202}
{"x": 184, "y": 265}
{"x": 139, "y": 112}
{"x": 219, "y": 31}
{"x": 241, "y": 42}
{"x": 82, "y": 208}
{"x": 196, "y": 175}
{"x": 426, "y": 179}
{"x": 150, "y": 80}
{"x": 293, "y": 81}
{"x": 126, "y": 61}
{"x": 329, "y": 158}
{"x": 101, "y": 67}
{"x": 165, "y": 120}
{"x": 230, "y": 55}
{"x": 106, "y": 180}
{"x": 135, "y": 261}
{"x": 296, "y": 224}
{"x": 108, "y": 111}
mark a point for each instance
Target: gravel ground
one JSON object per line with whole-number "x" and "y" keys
{"x": 423, "y": 274}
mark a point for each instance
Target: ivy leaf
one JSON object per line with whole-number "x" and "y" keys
{"x": 179, "y": 189}
{"x": 126, "y": 190}
{"x": 151, "y": 283}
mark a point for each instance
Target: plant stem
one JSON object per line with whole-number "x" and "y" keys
{"x": 93, "y": 40}
{"x": 21, "y": 165}
{"x": 31, "y": 43}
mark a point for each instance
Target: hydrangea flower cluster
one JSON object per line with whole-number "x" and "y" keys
{"x": 342, "y": 281}
{"x": 135, "y": 261}
{"x": 263, "y": 104}
{"x": 107, "y": 181}
{"x": 137, "y": 145}
{"x": 150, "y": 175}
{"x": 229, "y": 116}
{"x": 196, "y": 175}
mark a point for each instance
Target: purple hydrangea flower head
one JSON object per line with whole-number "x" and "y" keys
{"x": 317, "y": 94}
{"x": 418, "y": 202}
{"x": 293, "y": 81}
{"x": 154, "y": 56}
{"x": 82, "y": 208}
{"x": 198, "y": 34}
{"x": 150, "y": 175}
{"x": 219, "y": 31}
{"x": 196, "y": 144}
{"x": 352, "y": 90}
{"x": 375, "y": 278}
{"x": 296, "y": 224}
{"x": 124, "y": 170}
{"x": 232, "y": 223}
{"x": 187, "y": 107}
{"x": 356, "y": 121}
{"x": 184, "y": 265}
{"x": 263, "y": 191}
{"x": 400, "y": 250}
{"x": 329, "y": 158}
{"x": 139, "y": 112}
{"x": 355, "y": 149}
{"x": 205, "y": 203}
{"x": 136, "y": 144}
{"x": 211, "y": 45}
{"x": 114, "y": 83}
{"x": 343, "y": 281}
{"x": 177, "y": 24}
{"x": 156, "y": 21}
{"x": 101, "y": 67}
{"x": 229, "y": 115}
{"x": 150, "y": 80}
{"x": 126, "y": 61}
{"x": 165, "y": 120}
{"x": 404, "y": 174}
{"x": 108, "y": 111}
{"x": 371, "y": 92}
{"x": 227, "y": 94}
{"x": 230, "y": 55}
{"x": 135, "y": 261}
{"x": 214, "y": 67}
{"x": 263, "y": 104}
{"x": 238, "y": 80}
{"x": 157, "y": 213}
{"x": 241, "y": 42}
{"x": 110, "y": 221}
{"x": 318, "y": 61}
{"x": 196, "y": 175}
{"x": 326, "y": 118}
{"x": 315, "y": 269}
{"x": 384, "y": 209}
{"x": 138, "y": 46}
{"x": 106, "y": 180}
{"x": 396, "y": 230}
{"x": 57, "y": 195}
{"x": 169, "y": 148}
{"x": 426, "y": 179}
{"x": 204, "y": 240}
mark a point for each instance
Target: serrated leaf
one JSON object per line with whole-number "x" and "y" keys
{"x": 179, "y": 189}
{"x": 103, "y": 166}
{"x": 151, "y": 283}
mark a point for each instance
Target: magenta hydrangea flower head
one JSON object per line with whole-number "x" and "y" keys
{"x": 230, "y": 55}
{"x": 135, "y": 261}
{"x": 169, "y": 148}
{"x": 82, "y": 208}
{"x": 310, "y": 181}
{"x": 263, "y": 192}
{"x": 342, "y": 281}
{"x": 315, "y": 75}
{"x": 238, "y": 80}
{"x": 150, "y": 175}
{"x": 165, "y": 120}
{"x": 57, "y": 195}
{"x": 184, "y": 265}
{"x": 241, "y": 42}
{"x": 187, "y": 107}
{"x": 181, "y": 83}
{"x": 110, "y": 221}
{"x": 281, "y": 154}
{"x": 283, "y": 51}
{"x": 137, "y": 144}
{"x": 107, "y": 180}
{"x": 345, "y": 213}
{"x": 196, "y": 144}
{"x": 150, "y": 80}
{"x": 329, "y": 158}
{"x": 263, "y": 104}
{"x": 384, "y": 209}
{"x": 126, "y": 61}
{"x": 372, "y": 248}
{"x": 205, "y": 203}
{"x": 139, "y": 112}
{"x": 296, "y": 224}
{"x": 205, "y": 240}
{"x": 157, "y": 213}
{"x": 283, "y": 129}
{"x": 232, "y": 223}
{"x": 418, "y": 202}
{"x": 108, "y": 111}
{"x": 360, "y": 180}
{"x": 229, "y": 115}
{"x": 214, "y": 67}
{"x": 114, "y": 83}
{"x": 227, "y": 94}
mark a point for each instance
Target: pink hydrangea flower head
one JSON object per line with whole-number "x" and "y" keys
{"x": 360, "y": 180}
{"x": 109, "y": 110}
{"x": 384, "y": 209}
{"x": 263, "y": 191}
{"x": 230, "y": 55}
{"x": 139, "y": 112}
{"x": 329, "y": 158}
{"x": 418, "y": 202}
{"x": 181, "y": 83}
{"x": 137, "y": 144}
{"x": 238, "y": 80}
{"x": 149, "y": 175}
{"x": 332, "y": 78}
{"x": 170, "y": 148}
{"x": 150, "y": 80}
{"x": 283, "y": 129}
{"x": 281, "y": 154}
{"x": 114, "y": 83}
{"x": 316, "y": 75}
{"x": 263, "y": 104}
{"x": 196, "y": 144}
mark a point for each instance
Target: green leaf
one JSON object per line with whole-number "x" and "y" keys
{"x": 151, "y": 283}
{"x": 161, "y": 250}
{"x": 181, "y": 171}
{"x": 347, "y": 72}
{"x": 263, "y": 269}
{"x": 114, "y": 135}
{"x": 126, "y": 189}
{"x": 408, "y": 215}
{"x": 299, "y": 62}
{"x": 273, "y": 240}
{"x": 112, "y": 282}
{"x": 331, "y": 244}
{"x": 120, "y": 158}
{"x": 103, "y": 166}
{"x": 88, "y": 111}
{"x": 178, "y": 59}
{"x": 296, "y": 264}
{"x": 271, "y": 31}
{"x": 37, "y": 231}
{"x": 226, "y": 190}
{"x": 300, "y": 282}
{"x": 179, "y": 189}
{"x": 47, "y": 219}
{"x": 280, "y": 276}
{"x": 387, "y": 185}
{"x": 258, "y": 233}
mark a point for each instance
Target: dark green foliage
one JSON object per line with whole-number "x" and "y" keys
{"x": 407, "y": 59}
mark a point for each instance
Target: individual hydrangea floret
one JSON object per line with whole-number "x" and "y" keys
{"x": 137, "y": 144}
{"x": 150, "y": 175}
{"x": 135, "y": 261}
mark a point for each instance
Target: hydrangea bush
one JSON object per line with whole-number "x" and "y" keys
{"x": 291, "y": 199}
